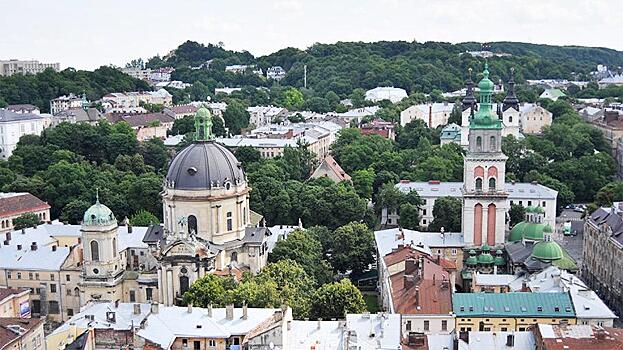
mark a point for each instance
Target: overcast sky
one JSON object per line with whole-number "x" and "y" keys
{"x": 90, "y": 33}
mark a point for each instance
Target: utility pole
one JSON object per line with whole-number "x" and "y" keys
{"x": 305, "y": 76}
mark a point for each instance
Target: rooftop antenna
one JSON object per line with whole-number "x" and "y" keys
{"x": 305, "y": 76}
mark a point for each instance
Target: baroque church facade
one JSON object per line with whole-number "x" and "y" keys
{"x": 207, "y": 228}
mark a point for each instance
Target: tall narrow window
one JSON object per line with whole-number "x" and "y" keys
{"x": 95, "y": 251}
{"x": 492, "y": 145}
{"x": 479, "y": 143}
{"x": 478, "y": 184}
{"x": 192, "y": 224}
{"x": 229, "y": 221}
{"x": 492, "y": 184}
{"x": 114, "y": 247}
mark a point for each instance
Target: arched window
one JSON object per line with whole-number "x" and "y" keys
{"x": 492, "y": 145}
{"x": 76, "y": 292}
{"x": 114, "y": 247}
{"x": 479, "y": 171}
{"x": 510, "y": 118}
{"x": 492, "y": 184}
{"x": 95, "y": 251}
{"x": 479, "y": 143}
{"x": 192, "y": 224}
{"x": 234, "y": 256}
{"x": 478, "y": 184}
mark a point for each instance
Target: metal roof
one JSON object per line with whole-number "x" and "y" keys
{"x": 516, "y": 304}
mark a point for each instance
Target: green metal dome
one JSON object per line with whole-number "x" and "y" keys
{"x": 485, "y": 248}
{"x": 547, "y": 251}
{"x": 485, "y": 258}
{"x": 535, "y": 210}
{"x": 534, "y": 232}
{"x": 548, "y": 228}
{"x": 98, "y": 215}
{"x": 517, "y": 232}
{"x": 486, "y": 84}
{"x": 499, "y": 260}
{"x": 471, "y": 261}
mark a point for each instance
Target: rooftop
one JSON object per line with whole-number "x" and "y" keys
{"x": 7, "y": 116}
{"x": 95, "y": 315}
{"x": 12, "y": 329}
{"x": 514, "y": 304}
{"x": 570, "y": 337}
{"x": 389, "y": 239}
{"x": 516, "y": 191}
{"x": 16, "y": 203}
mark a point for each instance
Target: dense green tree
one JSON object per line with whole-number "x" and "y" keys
{"x": 154, "y": 153}
{"x": 210, "y": 290}
{"x": 305, "y": 249}
{"x": 516, "y": 214}
{"x": 409, "y": 216}
{"x": 73, "y": 212}
{"x": 292, "y": 99}
{"x": 183, "y": 125}
{"x": 363, "y": 181}
{"x": 143, "y": 218}
{"x": 236, "y": 117}
{"x": 335, "y": 300}
{"x": 26, "y": 220}
{"x": 352, "y": 248}
{"x": 447, "y": 213}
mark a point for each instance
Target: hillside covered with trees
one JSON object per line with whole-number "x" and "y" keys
{"x": 416, "y": 67}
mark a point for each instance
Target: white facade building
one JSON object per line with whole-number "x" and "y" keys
{"x": 65, "y": 102}
{"x": 264, "y": 115}
{"x": 13, "y": 126}
{"x": 10, "y": 67}
{"x": 433, "y": 114}
{"x": 276, "y": 73}
{"x": 386, "y": 93}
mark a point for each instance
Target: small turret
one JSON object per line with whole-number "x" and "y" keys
{"x": 469, "y": 101}
{"x": 511, "y": 99}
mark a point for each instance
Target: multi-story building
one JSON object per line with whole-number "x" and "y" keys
{"x": 419, "y": 287}
{"x": 379, "y": 127}
{"x": 147, "y": 126}
{"x": 131, "y": 100}
{"x": 180, "y": 111}
{"x": 330, "y": 169}
{"x": 10, "y": 67}
{"x": 571, "y": 337}
{"x": 21, "y": 333}
{"x": 265, "y": 115}
{"x": 88, "y": 115}
{"x": 137, "y": 73}
{"x": 514, "y": 311}
{"x": 15, "y": 125}
{"x": 66, "y": 102}
{"x": 433, "y": 114}
{"x": 602, "y": 248}
{"x": 15, "y": 204}
{"x": 533, "y": 118}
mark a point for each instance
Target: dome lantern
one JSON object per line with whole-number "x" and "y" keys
{"x": 98, "y": 214}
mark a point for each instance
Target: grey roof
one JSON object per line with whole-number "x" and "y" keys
{"x": 154, "y": 234}
{"x": 518, "y": 190}
{"x": 81, "y": 115}
{"x": 610, "y": 217}
{"x": 204, "y": 165}
{"x": 7, "y": 116}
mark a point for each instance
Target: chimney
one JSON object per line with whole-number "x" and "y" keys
{"x": 319, "y": 323}
{"x": 53, "y": 248}
{"x": 510, "y": 340}
{"x": 430, "y": 115}
{"x": 23, "y": 231}
{"x": 245, "y": 311}
{"x": 209, "y": 310}
{"x": 190, "y": 308}
{"x": 33, "y": 246}
{"x": 129, "y": 228}
{"x": 409, "y": 281}
{"x": 117, "y": 304}
{"x": 137, "y": 309}
{"x": 154, "y": 308}
{"x": 229, "y": 312}
{"x": 410, "y": 267}
{"x": 19, "y": 247}
{"x": 417, "y": 297}
{"x": 110, "y": 317}
{"x": 8, "y": 236}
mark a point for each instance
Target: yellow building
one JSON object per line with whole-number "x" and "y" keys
{"x": 14, "y": 302}
{"x": 500, "y": 312}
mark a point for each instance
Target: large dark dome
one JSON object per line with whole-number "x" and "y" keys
{"x": 204, "y": 165}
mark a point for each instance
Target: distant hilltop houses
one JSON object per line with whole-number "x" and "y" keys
{"x": 14, "y": 66}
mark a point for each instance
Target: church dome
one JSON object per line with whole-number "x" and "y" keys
{"x": 98, "y": 215}
{"x": 471, "y": 261}
{"x": 485, "y": 256}
{"x": 499, "y": 260}
{"x": 547, "y": 251}
{"x": 204, "y": 165}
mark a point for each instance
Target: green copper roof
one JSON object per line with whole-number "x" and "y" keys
{"x": 515, "y": 304}
{"x": 499, "y": 261}
{"x": 533, "y": 232}
{"x": 485, "y": 258}
{"x": 485, "y": 117}
{"x": 535, "y": 210}
{"x": 547, "y": 251}
{"x": 566, "y": 263}
{"x": 517, "y": 232}
{"x": 548, "y": 228}
{"x": 203, "y": 125}
{"x": 472, "y": 258}
{"x": 485, "y": 248}
{"x": 98, "y": 215}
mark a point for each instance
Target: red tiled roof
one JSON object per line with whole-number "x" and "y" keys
{"x": 6, "y": 292}
{"x": 606, "y": 339}
{"x": 136, "y": 120}
{"x": 7, "y": 336}
{"x": 434, "y": 294}
{"x": 20, "y": 204}
{"x": 406, "y": 252}
{"x": 336, "y": 168}
{"x": 182, "y": 109}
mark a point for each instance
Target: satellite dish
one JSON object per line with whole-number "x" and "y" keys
{"x": 271, "y": 345}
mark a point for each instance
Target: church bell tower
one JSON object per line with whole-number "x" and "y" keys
{"x": 484, "y": 170}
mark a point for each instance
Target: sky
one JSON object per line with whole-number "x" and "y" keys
{"x": 86, "y": 34}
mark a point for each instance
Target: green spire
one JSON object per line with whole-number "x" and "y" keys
{"x": 203, "y": 125}
{"x": 485, "y": 118}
